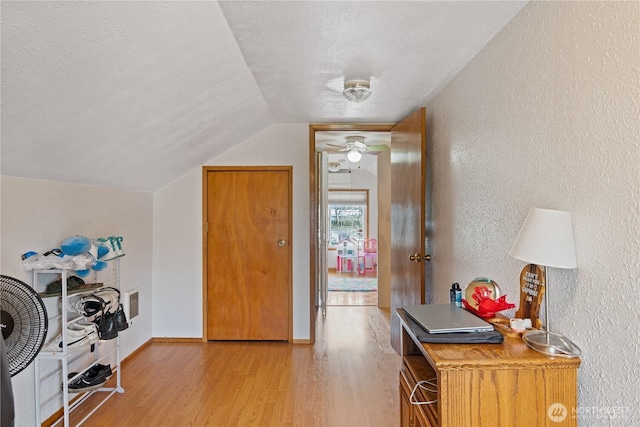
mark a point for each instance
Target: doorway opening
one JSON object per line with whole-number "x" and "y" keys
{"x": 352, "y": 248}
{"x": 350, "y": 228}
{"x": 411, "y": 277}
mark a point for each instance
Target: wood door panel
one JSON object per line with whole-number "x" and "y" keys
{"x": 248, "y": 273}
{"x": 407, "y": 215}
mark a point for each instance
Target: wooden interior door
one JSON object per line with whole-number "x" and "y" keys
{"x": 407, "y": 216}
{"x": 248, "y": 253}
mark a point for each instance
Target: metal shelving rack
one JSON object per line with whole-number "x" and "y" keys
{"x": 63, "y": 355}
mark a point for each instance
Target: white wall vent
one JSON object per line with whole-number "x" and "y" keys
{"x": 131, "y": 305}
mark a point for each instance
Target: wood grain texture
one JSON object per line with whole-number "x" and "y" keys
{"x": 407, "y": 215}
{"x": 248, "y": 273}
{"x": 492, "y": 385}
{"x": 349, "y": 377}
{"x": 532, "y": 288}
{"x": 352, "y": 298}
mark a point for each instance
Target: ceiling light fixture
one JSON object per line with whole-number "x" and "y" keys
{"x": 356, "y": 90}
{"x": 333, "y": 166}
{"x": 354, "y": 155}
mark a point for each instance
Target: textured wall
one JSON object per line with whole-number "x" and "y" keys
{"x": 36, "y": 215}
{"x": 177, "y": 228}
{"x": 547, "y": 115}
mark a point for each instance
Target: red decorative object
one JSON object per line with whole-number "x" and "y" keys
{"x": 487, "y": 307}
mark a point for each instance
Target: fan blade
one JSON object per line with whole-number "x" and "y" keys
{"x": 380, "y": 147}
{"x": 333, "y": 145}
{"x": 359, "y": 145}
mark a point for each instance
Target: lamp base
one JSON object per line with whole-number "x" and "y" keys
{"x": 551, "y": 344}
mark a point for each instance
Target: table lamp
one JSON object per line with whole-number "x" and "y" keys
{"x": 546, "y": 239}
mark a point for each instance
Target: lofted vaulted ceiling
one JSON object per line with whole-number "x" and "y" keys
{"x": 135, "y": 94}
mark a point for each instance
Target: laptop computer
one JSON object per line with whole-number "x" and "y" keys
{"x": 446, "y": 318}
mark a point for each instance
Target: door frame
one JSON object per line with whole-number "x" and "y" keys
{"x": 205, "y": 230}
{"x": 313, "y": 196}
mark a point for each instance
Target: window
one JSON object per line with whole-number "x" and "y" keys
{"x": 346, "y": 222}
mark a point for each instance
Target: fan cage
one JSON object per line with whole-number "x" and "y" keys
{"x": 24, "y": 322}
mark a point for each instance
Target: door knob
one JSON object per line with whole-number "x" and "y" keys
{"x": 427, "y": 257}
{"x": 282, "y": 242}
{"x": 415, "y": 257}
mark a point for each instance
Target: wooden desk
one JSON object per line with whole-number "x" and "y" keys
{"x": 489, "y": 385}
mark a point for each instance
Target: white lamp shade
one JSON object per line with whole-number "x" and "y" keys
{"x": 546, "y": 238}
{"x": 354, "y": 155}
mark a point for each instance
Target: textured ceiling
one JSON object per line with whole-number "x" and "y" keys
{"x": 136, "y": 94}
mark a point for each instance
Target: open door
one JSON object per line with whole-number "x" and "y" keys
{"x": 408, "y": 216}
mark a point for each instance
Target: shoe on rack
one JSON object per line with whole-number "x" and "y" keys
{"x": 92, "y": 330}
{"x": 79, "y": 336}
{"x": 90, "y": 380}
{"x": 99, "y": 369}
{"x": 73, "y": 283}
{"x": 111, "y": 298}
{"x": 113, "y": 245}
{"x": 87, "y": 305}
{"x": 117, "y": 243}
{"x": 84, "y": 304}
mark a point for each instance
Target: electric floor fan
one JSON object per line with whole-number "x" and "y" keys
{"x": 24, "y": 323}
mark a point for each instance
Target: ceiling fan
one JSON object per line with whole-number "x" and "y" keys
{"x": 356, "y": 147}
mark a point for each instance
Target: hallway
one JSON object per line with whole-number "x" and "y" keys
{"x": 349, "y": 377}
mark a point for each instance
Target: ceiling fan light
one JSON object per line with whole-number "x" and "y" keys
{"x": 354, "y": 155}
{"x": 356, "y": 90}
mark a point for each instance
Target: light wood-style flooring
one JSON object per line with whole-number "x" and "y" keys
{"x": 352, "y": 298}
{"x": 349, "y": 377}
